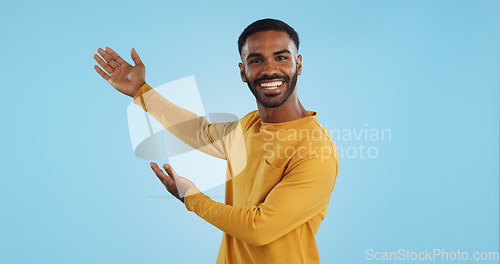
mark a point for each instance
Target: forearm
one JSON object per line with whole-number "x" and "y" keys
{"x": 189, "y": 127}
{"x": 303, "y": 193}
{"x": 281, "y": 213}
{"x": 244, "y": 223}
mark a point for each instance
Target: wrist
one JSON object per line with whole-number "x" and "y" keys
{"x": 144, "y": 87}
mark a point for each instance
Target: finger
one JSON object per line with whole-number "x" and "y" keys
{"x": 103, "y": 64}
{"x": 135, "y": 57}
{"x": 170, "y": 171}
{"x": 108, "y": 58}
{"x": 165, "y": 179}
{"x": 101, "y": 72}
{"x": 115, "y": 55}
{"x": 174, "y": 176}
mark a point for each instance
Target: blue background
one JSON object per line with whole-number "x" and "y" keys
{"x": 72, "y": 191}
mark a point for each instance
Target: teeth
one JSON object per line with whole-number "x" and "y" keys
{"x": 271, "y": 84}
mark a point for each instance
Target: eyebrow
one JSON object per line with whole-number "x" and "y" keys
{"x": 256, "y": 54}
{"x": 281, "y": 52}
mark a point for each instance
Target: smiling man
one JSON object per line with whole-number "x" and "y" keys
{"x": 281, "y": 163}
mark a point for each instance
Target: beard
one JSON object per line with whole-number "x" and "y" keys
{"x": 274, "y": 100}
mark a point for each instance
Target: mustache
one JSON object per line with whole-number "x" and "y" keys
{"x": 274, "y": 76}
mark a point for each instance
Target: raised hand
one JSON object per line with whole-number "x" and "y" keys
{"x": 122, "y": 76}
{"x": 174, "y": 183}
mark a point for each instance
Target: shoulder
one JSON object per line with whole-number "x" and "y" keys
{"x": 316, "y": 142}
{"x": 249, "y": 119}
{"x": 237, "y": 127}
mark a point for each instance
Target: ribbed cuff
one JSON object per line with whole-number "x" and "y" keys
{"x": 139, "y": 98}
{"x": 192, "y": 196}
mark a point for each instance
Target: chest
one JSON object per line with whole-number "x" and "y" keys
{"x": 266, "y": 161}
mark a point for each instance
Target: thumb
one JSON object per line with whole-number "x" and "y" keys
{"x": 135, "y": 57}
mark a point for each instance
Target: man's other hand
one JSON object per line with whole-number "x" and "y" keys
{"x": 122, "y": 76}
{"x": 174, "y": 183}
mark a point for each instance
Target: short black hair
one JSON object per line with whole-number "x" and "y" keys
{"x": 265, "y": 25}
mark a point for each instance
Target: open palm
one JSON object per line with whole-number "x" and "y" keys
{"x": 122, "y": 76}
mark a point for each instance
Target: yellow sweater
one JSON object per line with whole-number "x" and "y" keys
{"x": 279, "y": 180}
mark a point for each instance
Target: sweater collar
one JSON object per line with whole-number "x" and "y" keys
{"x": 290, "y": 124}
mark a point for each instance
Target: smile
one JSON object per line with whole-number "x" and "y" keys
{"x": 271, "y": 85}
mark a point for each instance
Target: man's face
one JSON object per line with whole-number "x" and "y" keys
{"x": 270, "y": 66}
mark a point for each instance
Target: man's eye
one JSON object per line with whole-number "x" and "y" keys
{"x": 281, "y": 58}
{"x": 255, "y": 61}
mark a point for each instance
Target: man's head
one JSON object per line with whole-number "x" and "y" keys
{"x": 270, "y": 62}
{"x": 266, "y": 25}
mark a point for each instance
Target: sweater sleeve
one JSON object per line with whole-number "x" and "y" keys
{"x": 189, "y": 127}
{"x": 302, "y": 193}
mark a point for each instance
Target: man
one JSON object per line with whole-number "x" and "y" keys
{"x": 282, "y": 164}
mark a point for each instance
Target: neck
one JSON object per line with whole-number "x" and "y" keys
{"x": 291, "y": 110}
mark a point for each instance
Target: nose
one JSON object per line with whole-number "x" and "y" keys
{"x": 269, "y": 68}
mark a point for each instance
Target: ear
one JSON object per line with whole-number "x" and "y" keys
{"x": 242, "y": 72}
{"x": 299, "y": 64}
